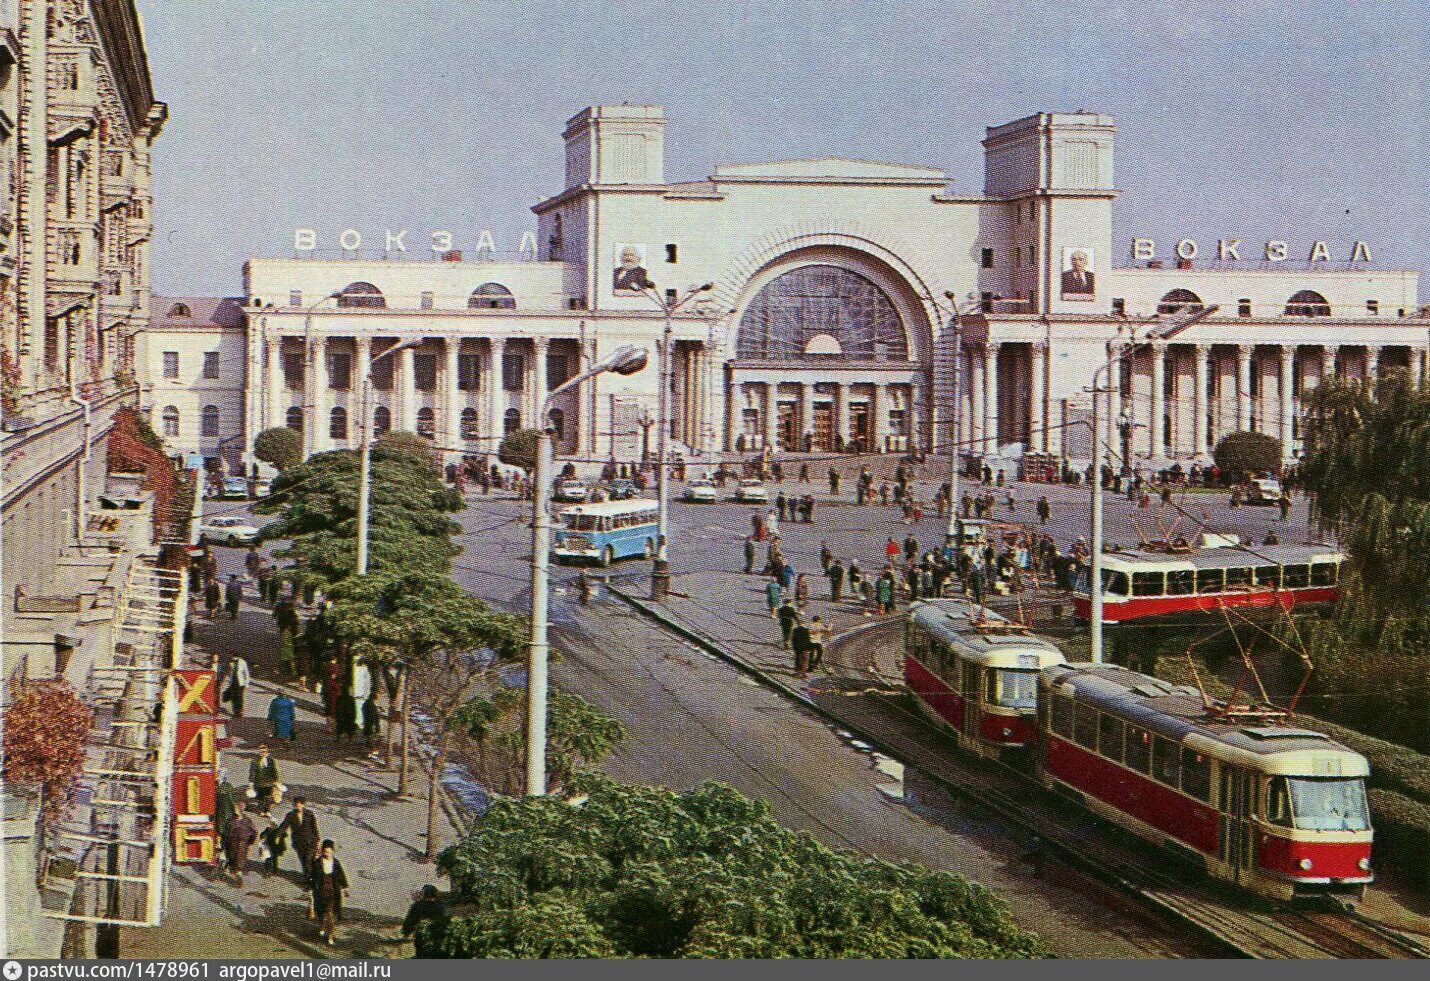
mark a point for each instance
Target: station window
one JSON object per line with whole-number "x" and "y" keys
{"x": 1181, "y": 582}
{"x": 171, "y": 364}
{"x": 469, "y": 367}
{"x": 425, "y": 300}
{"x": 1166, "y": 761}
{"x": 1372, "y": 308}
{"x": 1109, "y": 738}
{"x": 1119, "y": 306}
{"x": 987, "y": 258}
{"x": 1243, "y": 307}
{"x": 295, "y": 298}
{"x": 1062, "y": 716}
{"x": 293, "y": 369}
{"x": 1085, "y": 727}
{"x": 672, "y": 252}
{"x": 340, "y": 371}
{"x": 513, "y": 372}
{"x": 381, "y": 374}
{"x": 1196, "y": 775}
{"x": 210, "y": 364}
{"x": 424, "y": 371}
{"x": 1148, "y": 583}
{"x": 1139, "y": 749}
{"x": 1211, "y": 580}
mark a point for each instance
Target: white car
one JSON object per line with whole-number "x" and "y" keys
{"x": 1264, "y": 490}
{"x": 701, "y": 491}
{"x": 570, "y": 490}
{"x": 752, "y": 491}
{"x": 262, "y": 488}
{"x": 228, "y": 531}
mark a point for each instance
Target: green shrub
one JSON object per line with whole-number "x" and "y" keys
{"x": 1240, "y": 454}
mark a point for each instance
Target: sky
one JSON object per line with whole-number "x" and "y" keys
{"x": 1260, "y": 120}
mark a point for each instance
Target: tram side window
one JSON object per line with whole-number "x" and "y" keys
{"x": 1323, "y": 574}
{"x": 1114, "y": 583}
{"x": 1238, "y": 578}
{"x": 1063, "y": 716}
{"x": 1139, "y": 749}
{"x": 1181, "y": 582}
{"x": 1297, "y": 576}
{"x": 943, "y": 659}
{"x": 1085, "y": 727}
{"x": 1196, "y": 775}
{"x": 1211, "y": 580}
{"x": 1278, "y": 802}
{"x": 1166, "y": 762}
{"x": 1148, "y": 583}
{"x": 1109, "y": 738}
{"x": 917, "y": 643}
{"x": 1268, "y": 575}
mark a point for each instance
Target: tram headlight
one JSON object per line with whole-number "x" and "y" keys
{"x": 1364, "y": 864}
{"x": 1305, "y": 864}
{"x": 1007, "y": 732}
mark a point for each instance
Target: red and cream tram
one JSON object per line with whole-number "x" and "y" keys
{"x": 1275, "y": 810}
{"x": 976, "y": 674}
{"x": 1143, "y": 583}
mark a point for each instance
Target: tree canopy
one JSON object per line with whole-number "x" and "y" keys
{"x": 400, "y": 442}
{"x": 518, "y": 449}
{"x": 1240, "y": 454}
{"x": 281, "y": 447}
{"x": 647, "y": 872}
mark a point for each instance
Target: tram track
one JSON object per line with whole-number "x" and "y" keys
{"x": 1237, "y": 925}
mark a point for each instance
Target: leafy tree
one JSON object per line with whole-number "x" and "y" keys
{"x": 648, "y": 872}
{"x": 518, "y": 449}
{"x": 281, "y": 447}
{"x": 1241, "y": 454}
{"x": 399, "y": 443}
{"x": 44, "y": 730}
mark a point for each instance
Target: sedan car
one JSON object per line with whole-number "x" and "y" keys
{"x": 701, "y": 491}
{"x": 621, "y": 490}
{"x": 569, "y": 490}
{"x": 262, "y": 488}
{"x": 234, "y": 488}
{"x": 228, "y": 531}
{"x": 752, "y": 491}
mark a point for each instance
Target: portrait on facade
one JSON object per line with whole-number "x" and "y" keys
{"x": 630, "y": 273}
{"x": 1079, "y": 274}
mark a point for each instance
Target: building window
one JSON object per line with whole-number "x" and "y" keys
{"x": 672, "y": 252}
{"x": 1308, "y": 303}
{"x": 425, "y": 300}
{"x": 1119, "y": 306}
{"x": 897, "y": 420}
{"x": 340, "y": 370}
{"x": 1179, "y": 301}
{"x": 513, "y": 372}
{"x": 987, "y": 258}
{"x": 380, "y": 372}
{"x": 208, "y": 421}
{"x": 171, "y": 420}
{"x": 180, "y": 311}
{"x": 424, "y": 371}
{"x": 210, "y": 364}
{"x": 1243, "y": 307}
{"x": 294, "y": 418}
{"x": 491, "y": 296}
{"x": 1033, "y": 254}
{"x": 470, "y": 425}
{"x": 469, "y": 369}
{"x": 511, "y": 421}
{"x": 338, "y": 423}
{"x": 985, "y": 302}
{"x": 361, "y": 295}
{"x": 295, "y": 298}
{"x": 293, "y": 369}
{"x": 426, "y": 423}
{"x": 171, "y": 364}
{"x": 830, "y": 308}
{"x": 381, "y": 420}
{"x": 1372, "y": 308}
{"x": 556, "y": 419}
{"x": 557, "y": 370}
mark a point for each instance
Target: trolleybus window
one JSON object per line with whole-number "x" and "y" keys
{"x": 1211, "y": 580}
{"x": 1238, "y": 578}
{"x": 1166, "y": 762}
{"x": 1063, "y": 716}
{"x": 1181, "y": 582}
{"x": 1013, "y": 689}
{"x": 1323, "y": 574}
{"x": 1148, "y": 583}
{"x": 1268, "y": 575}
{"x": 1085, "y": 727}
{"x": 1109, "y": 738}
{"x": 1139, "y": 749}
{"x": 581, "y": 522}
{"x": 1296, "y": 576}
{"x": 1323, "y": 804}
{"x": 1114, "y": 583}
{"x": 1196, "y": 775}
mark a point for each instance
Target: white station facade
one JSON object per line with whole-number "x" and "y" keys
{"x": 827, "y": 327}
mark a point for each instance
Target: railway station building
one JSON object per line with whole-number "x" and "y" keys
{"x": 827, "y": 326}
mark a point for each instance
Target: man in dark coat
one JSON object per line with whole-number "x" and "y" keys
{"x": 788, "y": 617}
{"x": 212, "y": 596}
{"x": 833, "y": 481}
{"x": 836, "y": 581}
{"x": 232, "y": 596}
{"x": 263, "y": 776}
{"x": 301, "y": 826}
{"x": 329, "y": 883}
{"x": 427, "y": 907}
{"x": 225, "y": 806}
{"x": 237, "y": 842}
{"x": 749, "y": 554}
{"x": 800, "y": 641}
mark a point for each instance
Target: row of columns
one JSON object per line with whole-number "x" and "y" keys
{"x": 879, "y": 400}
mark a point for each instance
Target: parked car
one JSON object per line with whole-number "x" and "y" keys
{"x": 701, "y": 491}
{"x": 569, "y": 490}
{"x": 753, "y": 492}
{"x": 228, "y": 531}
{"x": 621, "y": 490}
{"x": 1264, "y": 490}
{"x": 262, "y": 488}
{"x": 234, "y": 488}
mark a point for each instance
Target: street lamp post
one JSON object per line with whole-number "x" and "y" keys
{"x": 625, "y": 360}
{"x": 365, "y": 452}
{"x": 956, "y": 431}
{"x": 669, "y": 305}
{"x": 310, "y": 410}
{"x": 1115, "y": 356}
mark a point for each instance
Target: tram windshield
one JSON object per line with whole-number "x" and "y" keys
{"x": 1013, "y": 689}
{"x": 1319, "y": 804}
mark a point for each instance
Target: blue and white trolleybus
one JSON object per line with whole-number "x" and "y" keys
{"x": 607, "y": 531}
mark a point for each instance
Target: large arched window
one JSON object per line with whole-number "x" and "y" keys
{"x": 511, "y": 422}
{"x": 294, "y": 419}
{"x": 361, "y": 295}
{"x": 381, "y": 420}
{"x": 338, "y": 423}
{"x": 180, "y": 310}
{"x": 470, "y": 424}
{"x": 1179, "y": 301}
{"x": 1308, "y": 303}
{"x": 821, "y": 312}
{"x": 171, "y": 420}
{"x": 208, "y": 420}
{"x": 491, "y": 296}
{"x": 557, "y": 421}
{"x": 426, "y": 423}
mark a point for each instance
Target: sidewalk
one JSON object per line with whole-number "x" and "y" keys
{"x": 379, "y": 839}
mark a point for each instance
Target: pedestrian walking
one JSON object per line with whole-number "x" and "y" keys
{"x": 772, "y": 524}
{"x": 891, "y": 549}
{"x": 426, "y": 907}
{"x": 976, "y": 583}
{"x": 826, "y": 556}
{"x": 1284, "y": 504}
{"x": 804, "y": 473}
{"x": 300, "y": 824}
{"x": 911, "y": 549}
{"x": 232, "y": 596}
{"x": 834, "y": 481}
{"x": 236, "y": 683}
{"x": 781, "y": 504}
{"x": 884, "y": 593}
{"x": 225, "y": 808}
{"x": 213, "y": 595}
{"x": 801, "y": 591}
{"x": 332, "y": 682}
{"x": 239, "y": 839}
{"x": 1045, "y": 510}
{"x": 788, "y": 618}
{"x": 773, "y": 598}
{"x": 283, "y": 716}
{"x": 818, "y": 638}
{"x": 329, "y": 887}
{"x": 787, "y": 577}
{"x": 749, "y": 554}
{"x": 836, "y": 581}
{"x": 264, "y": 788}
{"x": 371, "y": 719}
{"x": 800, "y": 640}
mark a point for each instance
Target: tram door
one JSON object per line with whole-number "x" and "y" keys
{"x": 971, "y": 681}
{"x": 1238, "y": 805}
